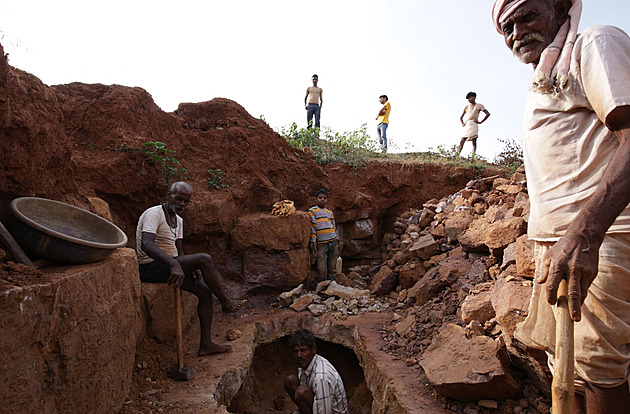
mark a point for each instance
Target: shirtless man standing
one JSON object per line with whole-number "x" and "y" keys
{"x": 313, "y": 103}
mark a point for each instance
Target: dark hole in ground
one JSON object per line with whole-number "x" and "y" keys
{"x": 263, "y": 390}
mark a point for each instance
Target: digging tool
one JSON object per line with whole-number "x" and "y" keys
{"x": 562, "y": 392}
{"x": 14, "y": 248}
{"x": 179, "y": 372}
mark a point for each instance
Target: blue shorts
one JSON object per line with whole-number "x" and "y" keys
{"x": 154, "y": 272}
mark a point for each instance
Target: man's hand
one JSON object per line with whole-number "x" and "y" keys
{"x": 574, "y": 258}
{"x": 177, "y": 275}
{"x": 313, "y": 249}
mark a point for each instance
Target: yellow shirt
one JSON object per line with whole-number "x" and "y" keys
{"x": 384, "y": 119}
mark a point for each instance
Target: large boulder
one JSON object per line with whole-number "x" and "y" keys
{"x": 159, "y": 310}
{"x": 274, "y": 249}
{"x": 468, "y": 369}
{"x": 68, "y": 345}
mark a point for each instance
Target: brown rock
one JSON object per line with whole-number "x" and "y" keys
{"x": 501, "y": 233}
{"x": 456, "y": 223}
{"x": 510, "y": 300}
{"x": 409, "y": 274}
{"x": 383, "y": 282}
{"x": 159, "y": 306}
{"x": 270, "y": 232}
{"x": 100, "y": 207}
{"x": 425, "y": 247}
{"x": 406, "y": 325}
{"x": 359, "y": 229}
{"x": 68, "y": 346}
{"x": 477, "y": 307}
{"x": 525, "y": 264}
{"x": 302, "y": 302}
{"x": 473, "y": 238}
{"x": 467, "y": 369}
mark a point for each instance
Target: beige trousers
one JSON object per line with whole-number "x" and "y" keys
{"x": 602, "y": 337}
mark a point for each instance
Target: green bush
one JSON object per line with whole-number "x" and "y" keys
{"x": 511, "y": 156}
{"x": 157, "y": 154}
{"x": 354, "y": 148}
{"x": 216, "y": 179}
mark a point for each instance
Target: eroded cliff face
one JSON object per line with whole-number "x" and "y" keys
{"x": 77, "y": 143}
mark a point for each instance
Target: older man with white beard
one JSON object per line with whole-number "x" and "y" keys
{"x": 577, "y": 156}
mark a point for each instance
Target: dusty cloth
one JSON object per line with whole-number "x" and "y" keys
{"x": 471, "y": 116}
{"x": 324, "y": 380}
{"x": 154, "y": 221}
{"x": 567, "y": 146}
{"x": 471, "y": 130}
{"x": 602, "y": 337}
{"x": 283, "y": 208}
{"x": 556, "y": 56}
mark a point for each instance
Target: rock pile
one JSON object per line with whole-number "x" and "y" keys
{"x": 458, "y": 273}
{"x": 331, "y": 297}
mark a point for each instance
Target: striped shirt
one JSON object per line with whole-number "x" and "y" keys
{"x": 324, "y": 380}
{"x": 323, "y": 227}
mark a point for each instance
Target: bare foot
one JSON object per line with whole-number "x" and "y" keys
{"x": 234, "y": 306}
{"x": 213, "y": 349}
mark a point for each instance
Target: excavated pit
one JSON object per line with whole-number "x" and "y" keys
{"x": 263, "y": 389}
{"x": 375, "y": 382}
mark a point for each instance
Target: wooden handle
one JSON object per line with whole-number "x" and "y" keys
{"x": 562, "y": 392}
{"x": 178, "y": 316}
{"x": 14, "y": 249}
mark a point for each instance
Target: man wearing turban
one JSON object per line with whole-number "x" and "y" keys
{"x": 576, "y": 143}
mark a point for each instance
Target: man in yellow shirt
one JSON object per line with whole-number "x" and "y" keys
{"x": 472, "y": 122}
{"x": 383, "y": 122}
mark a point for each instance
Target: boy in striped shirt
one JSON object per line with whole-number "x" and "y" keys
{"x": 323, "y": 242}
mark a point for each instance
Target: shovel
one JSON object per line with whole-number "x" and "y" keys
{"x": 14, "y": 248}
{"x": 179, "y": 372}
{"x": 562, "y": 392}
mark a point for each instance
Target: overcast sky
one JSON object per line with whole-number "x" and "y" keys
{"x": 425, "y": 55}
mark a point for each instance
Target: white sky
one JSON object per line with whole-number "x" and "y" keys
{"x": 425, "y": 55}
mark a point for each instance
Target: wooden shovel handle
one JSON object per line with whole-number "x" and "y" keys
{"x": 562, "y": 388}
{"x": 14, "y": 248}
{"x": 178, "y": 317}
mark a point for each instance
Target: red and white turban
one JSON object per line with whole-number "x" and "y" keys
{"x": 556, "y": 55}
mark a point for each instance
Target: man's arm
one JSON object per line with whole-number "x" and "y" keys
{"x": 321, "y": 98}
{"x": 575, "y": 256}
{"x": 323, "y": 398}
{"x": 487, "y": 115}
{"x": 150, "y": 248}
{"x": 461, "y": 118}
{"x": 305, "y": 98}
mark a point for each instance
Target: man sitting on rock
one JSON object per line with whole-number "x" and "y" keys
{"x": 161, "y": 259}
{"x": 317, "y": 388}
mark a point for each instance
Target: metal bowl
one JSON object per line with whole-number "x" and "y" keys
{"x": 62, "y": 232}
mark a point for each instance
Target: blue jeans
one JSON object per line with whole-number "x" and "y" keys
{"x": 312, "y": 109}
{"x": 382, "y": 135}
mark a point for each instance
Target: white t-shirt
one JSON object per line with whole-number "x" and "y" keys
{"x": 566, "y": 144}
{"x": 154, "y": 221}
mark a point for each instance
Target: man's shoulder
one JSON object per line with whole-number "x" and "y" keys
{"x": 151, "y": 210}
{"x": 602, "y": 30}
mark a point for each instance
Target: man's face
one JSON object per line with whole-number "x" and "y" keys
{"x": 471, "y": 99}
{"x": 322, "y": 199}
{"x": 177, "y": 200}
{"x": 315, "y": 79}
{"x": 530, "y": 29}
{"x": 304, "y": 355}
{"x": 382, "y": 100}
